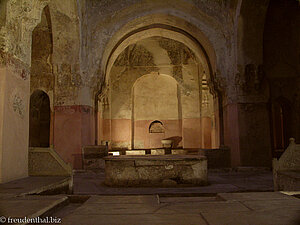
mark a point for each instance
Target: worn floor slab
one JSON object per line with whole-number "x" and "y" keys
{"x": 269, "y": 217}
{"x": 145, "y": 219}
{"x": 29, "y": 206}
{"x": 268, "y": 208}
{"x": 254, "y": 196}
{"x": 135, "y": 199}
{"x": 160, "y": 205}
{"x": 199, "y": 207}
{"x": 30, "y": 185}
{"x": 187, "y": 199}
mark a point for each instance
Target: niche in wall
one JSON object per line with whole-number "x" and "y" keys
{"x": 39, "y": 119}
{"x": 156, "y": 127}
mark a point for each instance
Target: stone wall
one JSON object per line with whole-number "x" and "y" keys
{"x": 250, "y": 139}
{"x": 17, "y": 24}
{"x": 15, "y": 122}
{"x": 282, "y": 67}
{"x": 19, "y": 19}
{"x": 248, "y": 65}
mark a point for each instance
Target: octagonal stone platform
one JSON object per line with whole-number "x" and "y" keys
{"x": 161, "y": 170}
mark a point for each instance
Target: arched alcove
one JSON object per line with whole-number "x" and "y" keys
{"x": 42, "y": 78}
{"x": 39, "y": 119}
{"x": 194, "y": 36}
{"x": 156, "y": 127}
{"x": 155, "y": 96}
{"x": 158, "y": 78}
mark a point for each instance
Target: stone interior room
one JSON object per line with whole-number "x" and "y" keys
{"x": 150, "y": 112}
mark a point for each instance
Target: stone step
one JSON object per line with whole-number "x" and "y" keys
{"x": 19, "y": 210}
{"x": 36, "y": 185}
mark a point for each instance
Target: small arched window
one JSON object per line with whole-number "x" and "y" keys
{"x": 156, "y": 127}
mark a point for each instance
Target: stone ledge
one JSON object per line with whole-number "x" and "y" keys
{"x": 46, "y": 162}
{"x": 157, "y": 157}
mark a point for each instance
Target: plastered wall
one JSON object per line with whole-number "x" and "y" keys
{"x": 154, "y": 79}
{"x": 14, "y": 128}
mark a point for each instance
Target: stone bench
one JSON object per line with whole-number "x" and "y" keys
{"x": 162, "y": 170}
{"x": 286, "y": 169}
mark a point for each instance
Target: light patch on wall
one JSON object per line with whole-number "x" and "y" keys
{"x": 155, "y": 96}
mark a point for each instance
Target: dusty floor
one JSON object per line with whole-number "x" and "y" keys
{"x": 249, "y": 200}
{"x": 258, "y": 208}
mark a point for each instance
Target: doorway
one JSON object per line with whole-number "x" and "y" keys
{"x": 39, "y": 119}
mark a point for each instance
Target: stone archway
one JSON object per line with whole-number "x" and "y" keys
{"x": 167, "y": 56}
{"x": 41, "y": 73}
{"x": 39, "y": 119}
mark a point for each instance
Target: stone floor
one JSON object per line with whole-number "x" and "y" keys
{"x": 17, "y": 201}
{"x": 30, "y": 185}
{"x": 257, "y": 208}
{"x": 30, "y": 206}
{"x": 233, "y": 197}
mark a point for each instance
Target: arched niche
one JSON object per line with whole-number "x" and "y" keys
{"x": 156, "y": 127}
{"x": 39, "y": 119}
{"x": 155, "y": 97}
{"x": 164, "y": 55}
{"x": 41, "y": 73}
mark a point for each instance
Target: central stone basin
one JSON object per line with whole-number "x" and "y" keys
{"x": 159, "y": 170}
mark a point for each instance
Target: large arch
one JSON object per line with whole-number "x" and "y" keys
{"x": 207, "y": 49}
{"x": 192, "y": 116}
{"x": 168, "y": 26}
{"x": 161, "y": 31}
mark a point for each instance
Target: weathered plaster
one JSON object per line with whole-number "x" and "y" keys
{"x": 14, "y": 144}
{"x": 226, "y": 43}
